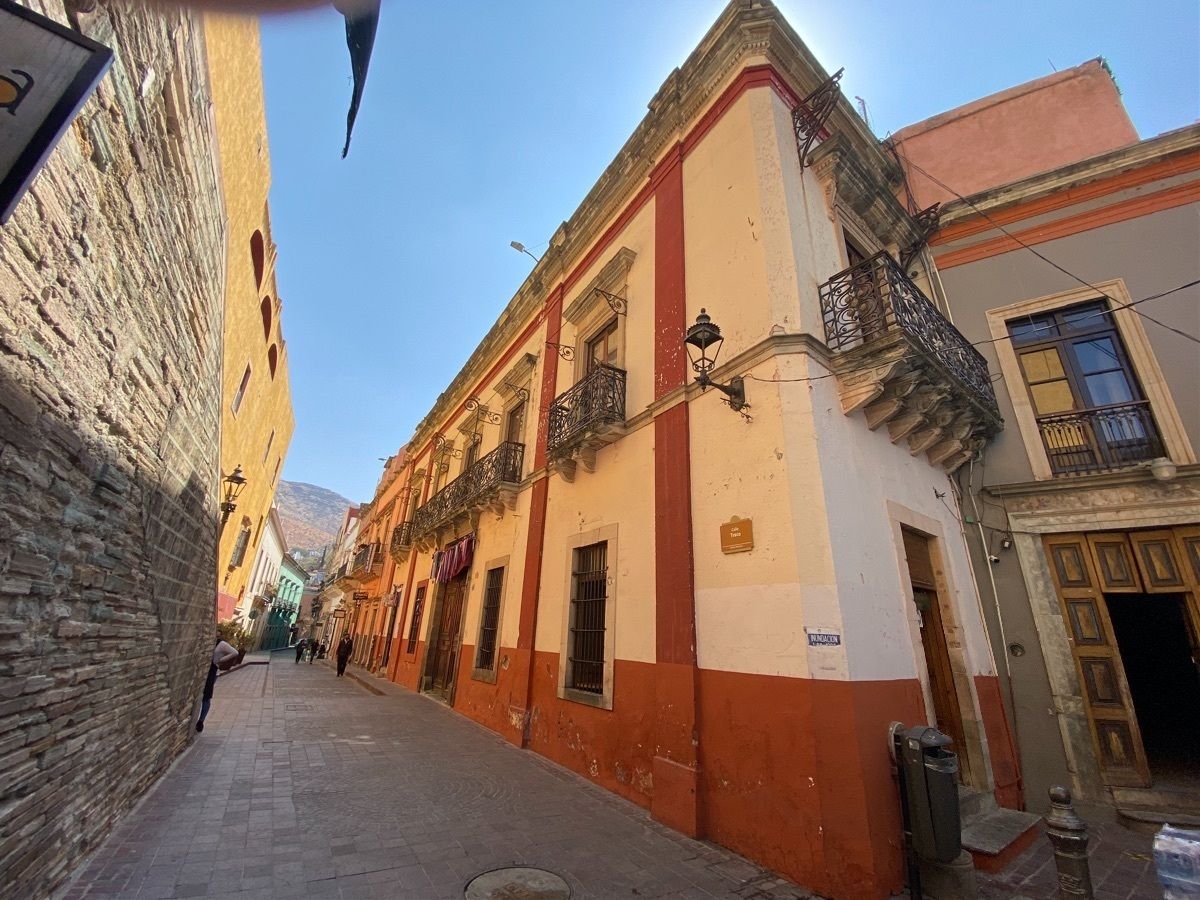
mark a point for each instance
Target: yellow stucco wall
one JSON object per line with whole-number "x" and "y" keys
{"x": 235, "y": 70}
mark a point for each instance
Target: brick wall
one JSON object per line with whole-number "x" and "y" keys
{"x": 111, "y": 291}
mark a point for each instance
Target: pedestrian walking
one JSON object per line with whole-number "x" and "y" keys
{"x": 300, "y": 649}
{"x": 322, "y": 650}
{"x": 312, "y": 651}
{"x": 344, "y": 648}
{"x": 224, "y": 658}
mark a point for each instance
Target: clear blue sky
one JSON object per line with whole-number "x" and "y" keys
{"x": 486, "y": 122}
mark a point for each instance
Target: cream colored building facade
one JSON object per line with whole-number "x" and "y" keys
{"x": 562, "y": 571}
{"x": 257, "y": 419}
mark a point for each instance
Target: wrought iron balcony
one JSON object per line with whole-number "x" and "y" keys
{"x": 901, "y": 361}
{"x": 489, "y": 481}
{"x": 402, "y": 540}
{"x": 1100, "y": 440}
{"x": 367, "y": 561}
{"x": 585, "y": 418}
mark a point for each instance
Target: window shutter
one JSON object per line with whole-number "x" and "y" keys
{"x": 239, "y": 549}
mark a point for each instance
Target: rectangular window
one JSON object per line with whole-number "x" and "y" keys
{"x": 414, "y": 627}
{"x": 270, "y": 441}
{"x": 602, "y": 349}
{"x": 489, "y": 623}
{"x": 514, "y": 427}
{"x": 241, "y": 391}
{"x": 1091, "y": 413}
{"x": 589, "y": 596}
{"x": 472, "y": 453}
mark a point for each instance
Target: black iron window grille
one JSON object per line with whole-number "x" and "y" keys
{"x": 489, "y": 623}
{"x": 414, "y": 627}
{"x": 402, "y": 537}
{"x": 599, "y": 398}
{"x": 1091, "y": 413}
{"x": 501, "y": 466}
{"x": 875, "y": 297}
{"x": 589, "y": 599}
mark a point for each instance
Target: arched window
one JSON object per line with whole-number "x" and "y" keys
{"x": 273, "y": 358}
{"x": 259, "y": 255}
{"x": 266, "y": 317}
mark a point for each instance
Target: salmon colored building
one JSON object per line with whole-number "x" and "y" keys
{"x": 714, "y": 610}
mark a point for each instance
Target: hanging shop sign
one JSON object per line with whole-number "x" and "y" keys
{"x": 47, "y": 71}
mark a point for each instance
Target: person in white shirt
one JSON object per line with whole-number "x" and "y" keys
{"x": 224, "y": 657}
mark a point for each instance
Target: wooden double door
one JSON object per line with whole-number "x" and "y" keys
{"x": 1131, "y": 604}
{"x": 442, "y": 663}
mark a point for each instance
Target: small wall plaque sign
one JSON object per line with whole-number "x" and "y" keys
{"x": 737, "y": 535}
{"x": 47, "y": 71}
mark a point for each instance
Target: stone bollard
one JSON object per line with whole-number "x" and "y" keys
{"x": 1068, "y": 834}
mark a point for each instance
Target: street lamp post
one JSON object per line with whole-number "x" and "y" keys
{"x": 234, "y": 483}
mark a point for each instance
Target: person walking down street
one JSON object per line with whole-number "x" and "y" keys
{"x": 224, "y": 658}
{"x": 300, "y": 645}
{"x": 344, "y": 648}
{"x": 312, "y": 651}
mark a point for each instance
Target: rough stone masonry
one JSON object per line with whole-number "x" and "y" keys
{"x": 111, "y": 310}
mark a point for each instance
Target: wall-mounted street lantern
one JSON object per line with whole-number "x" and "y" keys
{"x": 234, "y": 483}
{"x": 705, "y": 336}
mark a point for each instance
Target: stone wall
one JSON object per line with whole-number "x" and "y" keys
{"x": 111, "y": 292}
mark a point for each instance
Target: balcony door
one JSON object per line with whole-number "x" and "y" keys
{"x": 1090, "y": 410}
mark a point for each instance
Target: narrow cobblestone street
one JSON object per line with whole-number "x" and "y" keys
{"x": 306, "y": 785}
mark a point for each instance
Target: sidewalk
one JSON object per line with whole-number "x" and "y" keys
{"x": 305, "y": 785}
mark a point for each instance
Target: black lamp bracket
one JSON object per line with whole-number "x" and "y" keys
{"x": 734, "y": 391}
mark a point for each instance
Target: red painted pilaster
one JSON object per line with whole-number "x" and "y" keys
{"x": 521, "y": 676}
{"x": 676, "y": 759}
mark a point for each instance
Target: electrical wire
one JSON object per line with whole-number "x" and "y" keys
{"x": 1043, "y": 257}
{"x": 1003, "y": 337}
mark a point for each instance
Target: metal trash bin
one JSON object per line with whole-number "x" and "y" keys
{"x": 929, "y": 791}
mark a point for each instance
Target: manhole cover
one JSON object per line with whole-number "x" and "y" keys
{"x": 517, "y": 883}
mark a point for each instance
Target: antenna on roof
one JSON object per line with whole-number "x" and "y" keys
{"x": 1052, "y": 65}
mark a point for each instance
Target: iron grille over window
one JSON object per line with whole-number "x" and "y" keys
{"x": 589, "y": 598}
{"x": 1090, "y": 410}
{"x": 364, "y": 559}
{"x": 598, "y": 399}
{"x": 414, "y": 627}
{"x": 490, "y": 621}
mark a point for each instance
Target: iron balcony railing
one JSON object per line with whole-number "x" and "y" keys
{"x": 501, "y": 466}
{"x": 364, "y": 559}
{"x": 402, "y": 537}
{"x": 1101, "y": 439}
{"x": 875, "y": 298}
{"x": 339, "y": 572}
{"x": 598, "y": 399}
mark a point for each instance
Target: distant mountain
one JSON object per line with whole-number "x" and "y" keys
{"x": 310, "y": 515}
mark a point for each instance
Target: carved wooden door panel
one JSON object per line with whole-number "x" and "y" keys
{"x": 1188, "y": 538}
{"x": 1102, "y": 681}
{"x": 447, "y": 636}
{"x": 1159, "y": 561}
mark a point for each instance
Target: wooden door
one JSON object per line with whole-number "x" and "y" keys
{"x": 924, "y": 572}
{"x": 941, "y": 675}
{"x": 1188, "y": 538}
{"x": 446, "y": 642}
{"x": 1102, "y": 681}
